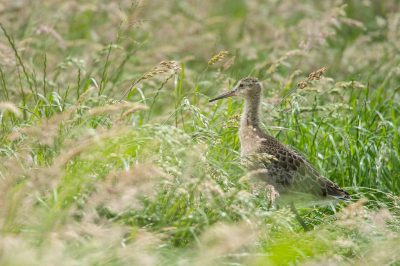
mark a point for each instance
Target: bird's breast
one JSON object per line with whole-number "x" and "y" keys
{"x": 250, "y": 141}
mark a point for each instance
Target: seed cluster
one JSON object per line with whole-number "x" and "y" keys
{"x": 316, "y": 75}
{"x": 218, "y": 57}
{"x": 302, "y": 85}
{"x": 252, "y": 160}
{"x": 234, "y": 119}
{"x": 163, "y": 67}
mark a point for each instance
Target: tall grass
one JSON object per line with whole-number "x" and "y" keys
{"x": 110, "y": 157}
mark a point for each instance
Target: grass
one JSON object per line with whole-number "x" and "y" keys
{"x": 110, "y": 158}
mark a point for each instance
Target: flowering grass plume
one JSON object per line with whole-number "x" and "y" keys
{"x": 133, "y": 107}
{"x": 218, "y": 57}
{"x": 11, "y": 107}
{"x": 163, "y": 67}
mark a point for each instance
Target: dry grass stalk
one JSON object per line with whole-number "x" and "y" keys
{"x": 379, "y": 218}
{"x": 120, "y": 190}
{"x": 218, "y": 57}
{"x": 43, "y": 29}
{"x": 220, "y": 78}
{"x": 353, "y": 22}
{"x": 131, "y": 111}
{"x": 263, "y": 188}
{"x": 249, "y": 174}
{"x": 83, "y": 95}
{"x": 229, "y": 63}
{"x": 211, "y": 190}
{"x": 116, "y": 108}
{"x": 7, "y": 56}
{"x": 348, "y": 84}
{"x": 11, "y": 107}
{"x": 316, "y": 33}
{"x": 353, "y": 210}
{"x": 224, "y": 239}
{"x": 65, "y": 157}
{"x": 282, "y": 60}
{"x": 163, "y": 67}
{"x": 48, "y": 129}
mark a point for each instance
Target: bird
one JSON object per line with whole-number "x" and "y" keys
{"x": 293, "y": 176}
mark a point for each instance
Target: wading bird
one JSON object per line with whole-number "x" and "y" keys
{"x": 292, "y": 175}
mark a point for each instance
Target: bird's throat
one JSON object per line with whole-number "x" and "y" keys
{"x": 251, "y": 113}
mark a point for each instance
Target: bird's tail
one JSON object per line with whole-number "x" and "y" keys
{"x": 335, "y": 191}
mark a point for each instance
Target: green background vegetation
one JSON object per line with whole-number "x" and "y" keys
{"x": 84, "y": 180}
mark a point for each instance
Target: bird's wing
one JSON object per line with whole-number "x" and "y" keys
{"x": 291, "y": 171}
{"x": 327, "y": 186}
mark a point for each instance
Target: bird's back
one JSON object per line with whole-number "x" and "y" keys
{"x": 290, "y": 172}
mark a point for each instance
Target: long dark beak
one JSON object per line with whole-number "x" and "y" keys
{"x": 224, "y": 95}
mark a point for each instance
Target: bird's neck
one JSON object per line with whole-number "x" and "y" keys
{"x": 251, "y": 113}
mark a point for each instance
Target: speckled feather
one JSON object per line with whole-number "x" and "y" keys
{"x": 292, "y": 172}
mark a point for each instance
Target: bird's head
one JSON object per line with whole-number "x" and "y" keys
{"x": 247, "y": 88}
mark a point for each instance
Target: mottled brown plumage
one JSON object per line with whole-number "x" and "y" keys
{"x": 290, "y": 172}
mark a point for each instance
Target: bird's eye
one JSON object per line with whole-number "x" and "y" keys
{"x": 241, "y": 85}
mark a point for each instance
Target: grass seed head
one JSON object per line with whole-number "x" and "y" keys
{"x": 229, "y": 63}
{"x": 116, "y": 108}
{"x": 302, "y": 85}
{"x": 11, "y": 107}
{"x": 218, "y": 57}
{"x": 163, "y": 67}
{"x": 316, "y": 75}
{"x": 46, "y": 30}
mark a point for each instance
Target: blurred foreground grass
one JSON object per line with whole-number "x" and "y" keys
{"x": 107, "y": 160}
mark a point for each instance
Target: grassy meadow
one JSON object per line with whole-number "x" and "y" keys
{"x": 111, "y": 154}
